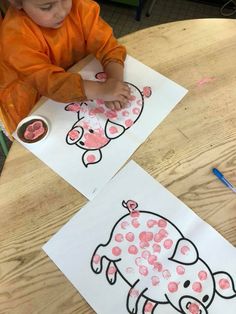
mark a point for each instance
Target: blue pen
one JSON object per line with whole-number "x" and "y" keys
{"x": 223, "y": 180}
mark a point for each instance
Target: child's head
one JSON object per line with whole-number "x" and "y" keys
{"x": 45, "y": 13}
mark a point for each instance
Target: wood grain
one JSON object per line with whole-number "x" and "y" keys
{"x": 198, "y": 134}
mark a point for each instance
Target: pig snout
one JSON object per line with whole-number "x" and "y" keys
{"x": 190, "y": 305}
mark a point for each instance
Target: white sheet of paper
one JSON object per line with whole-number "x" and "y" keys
{"x": 89, "y": 162}
{"x": 161, "y": 243}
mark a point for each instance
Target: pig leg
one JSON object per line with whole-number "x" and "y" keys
{"x": 98, "y": 255}
{"x": 134, "y": 294}
{"x": 149, "y": 307}
{"x": 111, "y": 273}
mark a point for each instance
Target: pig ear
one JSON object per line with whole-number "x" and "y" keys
{"x": 224, "y": 285}
{"x": 113, "y": 130}
{"x": 75, "y": 107}
{"x": 91, "y": 157}
{"x": 185, "y": 252}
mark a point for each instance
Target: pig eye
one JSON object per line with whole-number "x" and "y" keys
{"x": 81, "y": 143}
{"x": 186, "y": 284}
{"x": 91, "y": 131}
{"x": 205, "y": 298}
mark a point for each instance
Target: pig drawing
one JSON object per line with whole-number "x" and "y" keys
{"x": 159, "y": 264}
{"x": 97, "y": 125}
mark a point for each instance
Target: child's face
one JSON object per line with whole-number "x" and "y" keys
{"x": 47, "y": 13}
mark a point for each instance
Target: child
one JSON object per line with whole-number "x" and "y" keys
{"x": 40, "y": 40}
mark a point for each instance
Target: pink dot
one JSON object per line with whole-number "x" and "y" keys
{"x": 129, "y": 270}
{"x": 151, "y": 223}
{"x": 146, "y": 254}
{"x": 138, "y": 261}
{"x": 132, "y": 249}
{"x": 125, "y": 113}
{"x": 148, "y": 307}
{"x": 135, "y": 213}
{"x": 180, "y": 270}
{"x": 158, "y": 237}
{"x": 119, "y": 237}
{"x": 116, "y": 251}
{"x": 193, "y": 308}
{"x": 129, "y": 236}
{"x": 197, "y": 286}
{"x": 128, "y": 123}
{"x": 91, "y": 158}
{"x": 158, "y": 266}
{"x": 224, "y": 283}
{"x": 166, "y": 274}
{"x": 113, "y": 130}
{"x": 134, "y": 293}
{"x": 73, "y": 134}
{"x": 143, "y": 270}
{"x": 143, "y": 244}
{"x": 172, "y": 286}
{"x": 112, "y": 270}
{"x": 155, "y": 280}
{"x": 136, "y": 111}
{"x": 96, "y": 259}
{"x": 135, "y": 223}
{"x": 124, "y": 225}
{"x": 152, "y": 259}
{"x": 156, "y": 248}
{"x": 184, "y": 250}
{"x": 163, "y": 233}
{"x": 168, "y": 244}
{"x": 162, "y": 223}
{"x": 202, "y": 275}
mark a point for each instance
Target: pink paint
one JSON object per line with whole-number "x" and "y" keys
{"x": 151, "y": 223}
{"x": 158, "y": 266}
{"x": 128, "y": 123}
{"x": 202, "y": 275}
{"x": 101, "y": 76}
{"x": 125, "y": 113}
{"x": 147, "y": 91}
{"x": 172, "y": 286}
{"x": 180, "y": 270}
{"x": 116, "y": 251}
{"x": 168, "y": 244}
{"x": 91, "y": 158}
{"x": 113, "y": 130}
{"x": 146, "y": 236}
{"x": 73, "y": 107}
{"x": 184, "y": 250}
{"x": 152, "y": 259}
{"x": 96, "y": 259}
{"x": 224, "y": 283}
{"x": 129, "y": 236}
{"x": 156, "y": 248}
{"x": 95, "y": 140}
{"x": 143, "y": 244}
{"x": 162, "y": 223}
{"x": 193, "y": 308}
{"x": 135, "y": 213}
{"x": 119, "y": 237}
{"x": 111, "y": 114}
{"x": 136, "y": 111}
{"x": 143, "y": 270}
{"x": 135, "y": 223}
{"x": 148, "y": 307}
{"x": 100, "y": 102}
{"x": 134, "y": 293}
{"x": 73, "y": 135}
{"x": 155, "y": 280}
{"x": 197, "y": 287}
{"x": 132, "y": 98}
{"x": 146, "y": 254}
{"x": 163, "y": 233}
{"x": 166, "y": 274}
{"x": 132, "y": 249}
{"x": 138, "y": 261}
{"x": 205, "y": 80}
{"x": 131, "y": 205}
{"x": 112, "y": 270}
{"x": 124, "y": 224}
{"x": 139, "y": 102}
{"x": 129, "y": 270}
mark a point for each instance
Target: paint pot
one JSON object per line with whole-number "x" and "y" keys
{"x": 32, "y": 129}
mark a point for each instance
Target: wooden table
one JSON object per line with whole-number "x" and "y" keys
{"x": 198, "y": 134}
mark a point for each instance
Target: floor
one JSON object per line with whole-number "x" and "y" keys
{"x": 122, "y": 17}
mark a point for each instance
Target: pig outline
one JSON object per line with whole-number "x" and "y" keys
{"x": 112, "y": 279}
{"x": 98, "y": 151}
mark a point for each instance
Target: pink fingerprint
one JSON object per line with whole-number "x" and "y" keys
{"x": 132, "y": 249}
{"x": 96, "y": 259}
{"x": 139, "y": 102}
{"x": 197, "y": 287}
{"x": 146, "y": 254}
{"x": 180, "y": 270}
{"x": 111, "y": 114}
{"x": 116, "y": 251}
{"x": 143, "y": 270}
{"x": 162, "y": 223}
{"x": 119, "y": 237}
{"x": 155, "y": 280}
{"x": 112, "y": 270}
{"x": 148, "y": 307}
{"x": 172, "y": 286}
{"x": 152, "y": 259}
{"x": 143, "y": 244}
{"x": 128, "y": 123}
{"x": 193, "y": 308}
{"x": 134, "y": 293}
{"x": 113, "y": 130}
{"x": 224, "y": 283}
{"x": 138, "y": 261}
{"x": 202, "y": 275}
{"x": 132, "y": 98}
{"x": 146, "y": 236}
{"x": 158, "y": 266}
{"x": 158, "y": 237}
{"x": 124, "y": 225}
{"x": 163, "y": 233}
{"x": 135, "y": 223}
{"x": 184, "y": 250}
{"x": 166, "y": 274}
{"x": 125, "y": 113}
{"x": 129, "y": 270}
{"x": 135, "y": 213}
{"x": 168, "y": 244}
{"x": 129, "y": 236}
{"x": 151, "y": 223}
{"x": 73, "y": 135}
{"x": 91, "y": 158}
{"x": 136, "y": 111}
{"x": 156, "y": 248}
{"x": 100, "y": 102}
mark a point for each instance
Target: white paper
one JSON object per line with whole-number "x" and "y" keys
{"x": 107, "y": 141}
{"x": 161, "y": 244}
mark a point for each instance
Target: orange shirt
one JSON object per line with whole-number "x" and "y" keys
{"x": 34, "y": 60}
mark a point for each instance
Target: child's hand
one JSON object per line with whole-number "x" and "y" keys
{"x": 115, "y": 92}
{"x": 115, "y": 105}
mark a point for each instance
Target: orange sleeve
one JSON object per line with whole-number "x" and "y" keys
{"x": 99, "y": 35}
{"x": 27, "y": 57}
